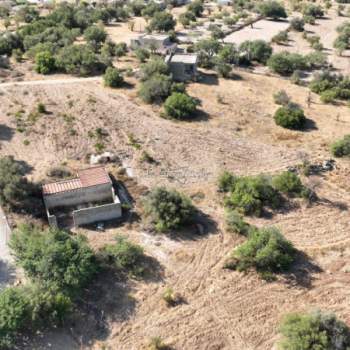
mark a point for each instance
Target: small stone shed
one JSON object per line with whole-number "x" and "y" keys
{"x": 88, "y": 198}
{"x": 159, "y": 43}
{"x": 182, "y": 66}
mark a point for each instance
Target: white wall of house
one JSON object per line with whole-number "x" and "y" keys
{"x": 79, "y": 196}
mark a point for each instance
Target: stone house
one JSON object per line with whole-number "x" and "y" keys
{"x": 182, "y": 66}
{"x": 88, "y": 198}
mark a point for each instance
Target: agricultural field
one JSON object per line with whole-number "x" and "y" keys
{"x": 236, "y": 227}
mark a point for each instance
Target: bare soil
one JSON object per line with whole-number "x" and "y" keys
{"x": 235, "y": 130}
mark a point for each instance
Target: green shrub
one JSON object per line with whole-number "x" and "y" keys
{"x": 328, "y": 96}
{"x": 297, "y": 24}
{"x": 313, "y": 10}
{"x": 41, "y": 108}
{"x": 14, "y": 187}
{"x": 286, "y": 63}
{"x": 168, "y": 209}
{"x": 315, "y": 330}
{"x": 180, "y": 106}
{"x": 113, "y": 78}
{"x": 15, "y": 313}
{"x": 53, "y": 257}
{"x": 154, "y": 66}
{"x": 249, "y": 194}
{"x": 124, "y": 255}
{"x": 341, "y": 148}
{"x": 290, "y": 117}
{"x": 44, "y": 62}
{"x": 206, "y": 50}
{"x": 235, "y": 223}
{"x": 142, "y": 54}
{"x": 288, "y": 182}
{"x": 266, "y": 250}
{"x": 155, "y": 89}
{"x": 281, "y": 37}
{"x": 95, "y": 36}
{"x": 196, "y": 7}
{"x": 226, "y": 181}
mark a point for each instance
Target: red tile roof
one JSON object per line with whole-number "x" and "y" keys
{"x": 85, "y": 178}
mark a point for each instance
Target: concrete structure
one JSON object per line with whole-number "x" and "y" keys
{"x": 182, "y": 66}
{"x": 88, "y": 198}
{"x": 159, "y": 43}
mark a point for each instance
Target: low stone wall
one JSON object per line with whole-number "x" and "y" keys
{"x": 100, "y": 213}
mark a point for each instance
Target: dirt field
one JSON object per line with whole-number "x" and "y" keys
{"x": 261, "y": 30}
{"x": 222, "y": 309}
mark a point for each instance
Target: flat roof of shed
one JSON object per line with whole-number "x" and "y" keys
{"x": 85, "y": 178}
{"x": 182, "y": 58}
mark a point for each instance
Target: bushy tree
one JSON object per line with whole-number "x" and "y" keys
{"x": 290, "y": 116}
{"x": 186, "y": 18}
{"x": 196, "y": 7}
{"x": 53, "y": 257}
{"x": 341, "y": 148}
{"x": 142, "y": 54}
{"x": 156, "y": 88}
{"x": 168, "y": 209}
{"x": 162, "y": 22}
{"x": 286, "y": 63}
{"x": 314, "y": 331}
{"x": 156, "y": 65}
{"x": 228, "y": 54}
{"x": 266, "y": 250}
{"x": 113, "y": 77}
{"x": 272, "y": 9}
{"x": 313, "y": 10}
{"x": 95, "y": 36}
{"x": 8, "y": 42}
{"x": 78, "y": 59}
{"x": 137, "y": 6}
{"x": 44, "y": 62}
{"x": 180, "y": 106}
{"x": 207, "y": 49}
{"x": 256, "y": 50}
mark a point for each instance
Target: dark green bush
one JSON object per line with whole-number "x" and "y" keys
{"x": 315, "y": 330}
{"x": 180, "y": 106}
{"x": 290, "y": 117}
{"x": 168, "y": 209}
{"x": 196, "y": 7}
{"x": 95, "y": 36}
{"x": 266, "y": 250}
{"x": 113, "y": 77}
{"x": 341, "y": 148}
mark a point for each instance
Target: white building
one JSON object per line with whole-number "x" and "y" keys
{"x": 88, "y": 198}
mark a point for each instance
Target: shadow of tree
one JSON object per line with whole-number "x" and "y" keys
{"x": 6, "y": 133}
{"x": 301, "y": 272}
